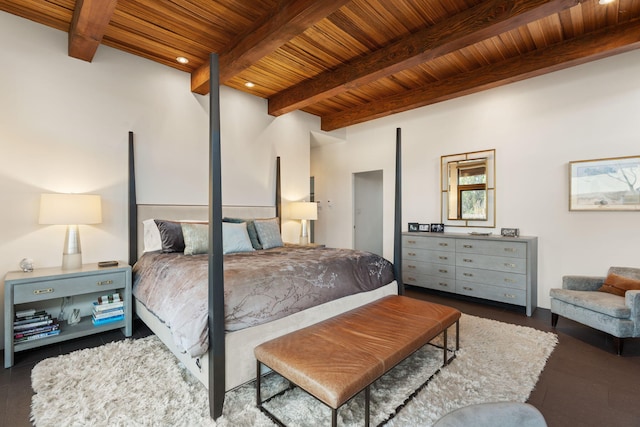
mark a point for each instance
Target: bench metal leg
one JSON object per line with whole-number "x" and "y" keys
{"x": 258, "y": 378}
{"x": 334, "y": 417}
{"x": 444, "y": 347}
{"x": 457, "y": 335}
{"x": 367, "y": 399}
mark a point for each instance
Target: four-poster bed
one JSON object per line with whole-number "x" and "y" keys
{"x": 224, "y": 347}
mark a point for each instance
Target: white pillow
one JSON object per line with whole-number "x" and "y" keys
{"x": 235, "y": 238}
{"x": 152, "y": 239}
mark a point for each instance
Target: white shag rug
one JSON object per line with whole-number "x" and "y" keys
{"x": 140, "y": 383}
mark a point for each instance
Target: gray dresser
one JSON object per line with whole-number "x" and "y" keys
{"x": 490, "y": 267}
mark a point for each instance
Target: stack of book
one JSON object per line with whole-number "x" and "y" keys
{"x": 31, "y": 325}
{"x": 108, "y": 308}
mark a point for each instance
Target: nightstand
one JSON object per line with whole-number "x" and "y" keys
{"x": 47, "y": 289}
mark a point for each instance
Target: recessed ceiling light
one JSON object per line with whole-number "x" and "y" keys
{"x": 249, "y": 84}
{"x": 182, "y": 60}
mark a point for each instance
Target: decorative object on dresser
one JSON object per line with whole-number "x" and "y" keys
{"x": 509, "y": 232}
{"x": 70, "y": 210}
{"x": 413, "y": 226}
{"x": 467, "y": 184}
{"x": 487, "y": 267}
{"x": 33, "y": 295}
{"x": 423, "y": 227}
{"x": 304, "y": 211}
{"x": 605, "y": 184}
{"x": 437, "y": 228}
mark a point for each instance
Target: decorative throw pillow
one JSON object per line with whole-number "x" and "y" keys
{"x": 269, "y": 233}
{"x": 170, "y": 235}
{"x": 152, "y": 239}
{"x": 196, "y": 238}
{"x": 251, "y": 229}
{"x": 235, "y": 238}
{"x": 619, "y": 285}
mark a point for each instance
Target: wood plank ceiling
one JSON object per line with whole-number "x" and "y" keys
{"x": 348, "y": 61}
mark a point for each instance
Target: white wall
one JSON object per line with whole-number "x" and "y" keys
{"x": 64, "y": 126}
{"x": 537, "y": 127}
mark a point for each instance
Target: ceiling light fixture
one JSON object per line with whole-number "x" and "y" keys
{"x": 249, "y": 84}
{"x": 605, "y": 1}
{"x": 182, "y": 60}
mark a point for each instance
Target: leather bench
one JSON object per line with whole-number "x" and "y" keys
{"x": 335, "y": 359}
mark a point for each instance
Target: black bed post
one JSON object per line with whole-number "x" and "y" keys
{"x": 397, "y": 224}
{"x": 216, "y": 271}
{"x": 133, "y": 210}
{"x": 278, "y": 194}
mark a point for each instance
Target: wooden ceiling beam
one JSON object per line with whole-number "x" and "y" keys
{"x": 288, "y": 20}
{"x": 606, "y": 42}
{"x": 486, "y": 20}
{"x": 88, "y": 26}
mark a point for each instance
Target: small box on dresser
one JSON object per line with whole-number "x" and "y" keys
{"x": 489, "y": 267}
{"x": 44, "y": 290}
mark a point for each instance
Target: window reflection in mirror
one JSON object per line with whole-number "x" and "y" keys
{"x": 467, "y": 182}
{"x": 468, "y": 189}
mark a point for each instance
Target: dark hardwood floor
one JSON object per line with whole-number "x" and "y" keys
{"x": 584, "y": 382}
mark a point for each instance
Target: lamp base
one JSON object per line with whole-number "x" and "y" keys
{"x": 304, "y": 240}
{"x": 71, "y": 261}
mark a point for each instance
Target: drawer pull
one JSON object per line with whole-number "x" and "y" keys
{"x": 104, "y": 282}
{"x": 509, "y": 295}
{"x": 510, "y": 265}
{"x": 509, "y": 280}
{"x": 43, "y": 291}
{"x": 467, "y": 274}
{"x": 442, "y": 270}
{"x": 411, "y": 254}
{"x": 443, "y": 244}
{"x": 466, "y": 288}
{"x": 411, "y": 266}
{"x": 411, "y": 241}
{"x": 443, "y": 284}
{"x": 509, "y": 249}
{"x": 413, "y": 279}
{"x": 467, "y": 260}
{"x": 443, "y": 257}
{"x": 467, "y": 246}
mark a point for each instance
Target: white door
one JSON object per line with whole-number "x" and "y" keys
{"x": 367, "y": 211}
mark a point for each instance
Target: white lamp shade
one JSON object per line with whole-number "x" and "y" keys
{"x": 304, "y": 210}
{"x": 68, "y": 209}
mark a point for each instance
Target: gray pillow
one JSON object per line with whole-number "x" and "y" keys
{"x": 235, "y": 238}
{"x": 170, "y": 235}
{"x": 196, "y": 238}
{"x": 269, "y": 233}
{"x": 251, "y": 229}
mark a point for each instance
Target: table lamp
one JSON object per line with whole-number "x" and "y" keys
{"x": 70, "y": 210}
{"x": 304, "y": 211}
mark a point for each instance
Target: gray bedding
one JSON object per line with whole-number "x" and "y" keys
{"x": 260, "y": 286}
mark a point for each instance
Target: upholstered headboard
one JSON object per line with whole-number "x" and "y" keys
{"x": 195, "y": 212}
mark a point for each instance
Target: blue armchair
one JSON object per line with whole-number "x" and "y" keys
{"x": 579, "y": 300}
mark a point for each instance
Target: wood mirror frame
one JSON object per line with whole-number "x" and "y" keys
{"x": 479, "y": 168}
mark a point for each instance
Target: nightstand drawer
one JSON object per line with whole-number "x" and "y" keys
{"x": 63, "y": 287}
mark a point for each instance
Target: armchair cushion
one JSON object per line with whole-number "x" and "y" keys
{"x": 619, "y": 285}
{"x": 600, "y": 302}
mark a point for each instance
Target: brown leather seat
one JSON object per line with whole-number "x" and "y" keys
{"x": 335, "y": 359}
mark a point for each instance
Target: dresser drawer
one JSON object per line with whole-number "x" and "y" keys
{"x": 63, "y": 287}
{"x": 487, "y": 262}
{"x": 494, "y": 293}
{"x": 427, "y": 255}
{"x": 433, "y": 269}
{"x": 508, "y": 248}
{"x": 491, "y": 277}
{"x": 447, "y": 284}
{"x": 423, "y": 242}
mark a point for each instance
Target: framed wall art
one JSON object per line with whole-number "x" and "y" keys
{"x": 611, "y": 184}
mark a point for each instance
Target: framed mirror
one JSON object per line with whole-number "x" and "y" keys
{"x": 468, "y": 189}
